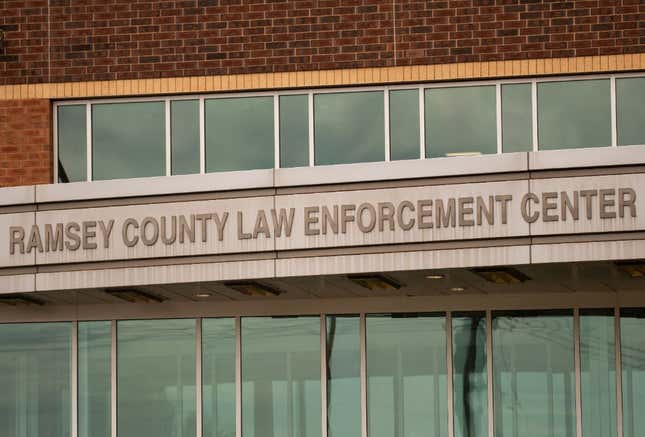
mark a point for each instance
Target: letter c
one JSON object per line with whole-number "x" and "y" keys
{"x": 524, "y": 207}
{"x": 135, "y": 239}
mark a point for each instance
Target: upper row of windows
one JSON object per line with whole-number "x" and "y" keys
{"x": 155, "y": 137}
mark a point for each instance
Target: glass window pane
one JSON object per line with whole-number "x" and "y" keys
{"x": 184, "y": 133}
{"x": 517, "y": 120}
{"x": 294, "y": 131}
{"x": 128, "y": 140}
{"x": 218, "y": 377}
{"x": 630, "y": 117}
{"x": 534, "y": 389}
{"x": 349, "y": 127}
{"x": 598, "y": 373}
{"x": 404, "y": 124}
{"x": 632, "y": 349}
{"x": 94, "y": 380}
{"x": 239, "y": 134}
{"x": 469, "y": 375}
{"x": 574, "y": 114}
{"x": 156, "y": 378}
{"x": 460, "y": 121}
{"x": 343, "y": 376}
{"x": 406, "y": 375}
{"x": 281, "y": 377}
{"x": 35, "y": 369}
{"x": 72, "y": 143}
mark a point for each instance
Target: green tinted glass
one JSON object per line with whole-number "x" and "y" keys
{"x": 35, "y": 368}
{"x": 156, "y": 378}
{"x": 630, "y": 116}
{"x": 534, "y": 381}
{"x": 598, "y": 373}
{"x": 281, "y": 377}
{"x": 470, "y": 393}
{"x": 94, "y": 380}
{"x": 239, "y": 134}
{"x": 349, "y": 127}
{"x": 184, "y": 136}
{"x": 632, "y": 347}
{"x": 404, "y": 124}
{"x": 343, "y": 376}
{"x": 72, "y": 143}
{"x": 294, "y": 131}
{"x": 218, "y": 377}
{"x": 128, "y": 140}
{"x": 406, "y": 376}
{"x": 460, "y": 121}
{"x": 517, "y": 120}
{"x": 574, "y": 114}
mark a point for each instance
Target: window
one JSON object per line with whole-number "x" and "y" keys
{"x": 72, "y": 143}
{"x": 94, "y": 380}
{"x": 294, "y": 131}
{"x": 349, "y": 127}
{"x": 184, "y": 131}
{"x": 574, "y": 114}
{"x": 632, "y": 346}
{"x": 517, "y": 123}
{"x": 630, "y": 117}
{"x": 404, "y": 124}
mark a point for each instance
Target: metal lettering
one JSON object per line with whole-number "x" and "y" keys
{"x": 424, "y": 209}
{"x": 54, "y": 240}
{"x": 524, "y": 207}
{"x": 372, "y": 217}
{"x": 406, "y": 226}
{"x": 567, "y": 205}
{"x": 311, "y": 219}
{"x": 465, "y": 206}
{"x": 89, "y": 233}
{"x": 146, "y": 223}
{"x": 345, "y": 217}
{"x": 129, "y": 242}
{"x": 71, "y": 233}
{"x": 548, "y": 204}
{"x": 16, "y": 238}
{"x": 386, "y": 214}
{"x": 607, "y": 201}
{"x": 627, "y": 199}
{"x": 445, "y": 217}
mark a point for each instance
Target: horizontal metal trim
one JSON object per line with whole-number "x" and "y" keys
{"x": 17, "y": 209}
{"x": 588, "y": 238}
{"x": 580, "y": 172}
{"x": 14, "y": 271}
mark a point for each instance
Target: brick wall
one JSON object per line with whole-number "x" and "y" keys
{"x": 74, "y": 40}
{"x": 25, "y": 142}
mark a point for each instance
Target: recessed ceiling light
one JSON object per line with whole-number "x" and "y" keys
{"x": 202, "y": 295}
{"x": 457, "y": 289}
{"x": 435, "y": 276}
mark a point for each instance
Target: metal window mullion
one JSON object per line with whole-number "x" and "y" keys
{"x": 238, "y": 376}
{"x": 534, "y": 114}
{"x": 422, "y": 125}
{"x": 310, "y": 112}
{"x": 578, "y": 377}
{"x": 88, "y": 139}
{"x": 276, "y": 131}
{"x": 55, "y": 139}
{"x": 323, "y": 373}
{"x": 168, "y": 138}
{"x": 498, "y": 116}
{"x": 489, "y": 372}
{"x": 614, "y": 131}
{"x": 74, "y": 381}
{"x": 619, "y": 375}
{"x": 202, "y": 137}
{"x": 113, "y": 378}
{"x": 198, "y": 377}
{"x": 449, "y": 369}
{"x": 386, "y": 117}
{"x": 363, "y": 343}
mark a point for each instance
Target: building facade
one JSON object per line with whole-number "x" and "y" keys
{"x": 322, "y": 218}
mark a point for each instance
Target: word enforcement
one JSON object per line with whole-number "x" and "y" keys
{"x": 367, "y": 217}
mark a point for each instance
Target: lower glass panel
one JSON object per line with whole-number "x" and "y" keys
{"x": 632, "y": 346}
{"x": 534, "y": 382}
{"x": 294, "y": 131}
{"x": 72, "y": 143}
{"x": 517, "y": 122}
{"x": 630, "y": 117}
{"x": 281, "y": 377}
{"x": 184, "y": 136}
{"x": 94, "y": 379}
{"x": 156, "y": 378}
{"x": 406, "y": 375}
{"x": 35, "y": 369}
{"x": 404, "y": 124}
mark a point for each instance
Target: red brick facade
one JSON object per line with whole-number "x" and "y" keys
{"x": 25, "y": 142}
{"x": 82, "y": 40}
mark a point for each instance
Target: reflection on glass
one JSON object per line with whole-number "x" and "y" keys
{"x": 239, "y": 133}
{"x": 574, "y": 114}
{"x": 35, "y": 366}
{"x": 128, "y": 140}
{"x": 517, "y": 123}
{"x": 632, "y": 347}
{"x": 294, "y": 131}
{"x": 460, "y": 121}
{"x": 343, "y": 376}
{"x": 630, "y": 117}
{"x": 218, "y": 377}
{"x": 404, "y": 124}
{"x": 72, "y": 143}
{"x": 406, "y": 375}
{"x": 281, "y": 377}
{"x": 534, "y": 382}
{"x": 598, "y": 373}
{"x": 184, "y": 136}
{"x": 156, "y": 378}
{"x": 348, "y": 127}
{"x": 469, "y": 375}
{"x": 94, "y": 393}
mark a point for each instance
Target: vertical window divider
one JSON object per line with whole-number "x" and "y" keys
{"x": 113, "y": 378}
{"x": 363, "y": 343}
{"x": 168, "y": 139}
{"x": 55, "y": 139}
{"x": 202, "y": 137}
{"x": 88, "y": 131}
{"x": 489, "y": 372}
{"x": 238, "y": 376}
{"x": 310, "y": 111}
{"x": 323, "y": 373}
{"x": 449, "y": 374}
{"x": 276, "y": 130}
{"x": 577, "y": 364}
{"x": 74, "y": 376}
{"x": 619, "y": 374}
{"x": 198, "y": 374}
{"x": 614, "y": 131}
{"x": 534, "y": 114}
{"x": 386, "y": 107}
{"x": 422, "y": 124}
{"x": 498, "y": 116}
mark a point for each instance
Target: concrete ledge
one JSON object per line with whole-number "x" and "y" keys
{"x": 12, "y": 196}
{"x": 584, "y": 158}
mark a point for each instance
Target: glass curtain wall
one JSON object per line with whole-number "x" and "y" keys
{"x": 94, "y": 379}
{"x": 632, "y": 346}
